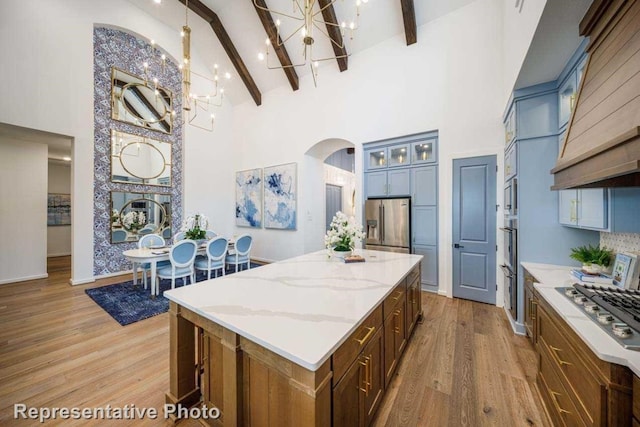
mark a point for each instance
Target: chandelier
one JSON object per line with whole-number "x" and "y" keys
{"x": 196, "y": 106}
{"x": 309, "y": 22}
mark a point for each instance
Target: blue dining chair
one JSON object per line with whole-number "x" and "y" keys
{"x": 241, "y": 255}
{"x": 147, "y": 241}
{"x": 180, "y": 235}
{"x": 210, "y": 234}
{"x": 166, "y": 233}
{"x": 118, "y": 236}
{"x": 181, "y": 256}
{"x": 214, "y": 260}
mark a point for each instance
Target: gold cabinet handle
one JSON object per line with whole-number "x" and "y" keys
{"x": 574, "y": 211}
{"x": 554, "y": 396}
{"x": 398, "y": 295}
{"x": 369, "y": 363}
{"x": 396, "y": 315}
{"x": 364, "y": 389}
{"x": 557, "y": 356}
{"x": 366, "y": 337}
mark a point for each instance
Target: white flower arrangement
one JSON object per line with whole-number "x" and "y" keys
{"x": 195, "y": 226}
{"x": 115, "y": 217}
{"x": 134, "y": 220}
{"x": 343, "y": 233}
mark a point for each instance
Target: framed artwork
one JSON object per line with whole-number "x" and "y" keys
{"x": 280, "y": 196}
{"x": 58, "y": 209}
{"x": 249, "y": 198}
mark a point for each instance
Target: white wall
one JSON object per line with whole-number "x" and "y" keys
{"x": 451, "y": 80}
{"x": 59, "y": 237}
{"x": 52, "y": 75}
{"x": 519, "y": 26}
{"x": 23, "y": 210}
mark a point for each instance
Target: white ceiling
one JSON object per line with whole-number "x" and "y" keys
{"x": 59, "y": 145}
{"x": 379, "y": 20}
{"x": 555, "y": 40}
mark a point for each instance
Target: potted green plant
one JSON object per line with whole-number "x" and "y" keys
{"x": 594, "y": 259}
{"x": 195, "y": 227}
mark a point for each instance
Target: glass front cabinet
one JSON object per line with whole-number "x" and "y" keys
{"x": 408, "y": 167}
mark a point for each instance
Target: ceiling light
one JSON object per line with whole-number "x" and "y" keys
{"x": 308, "y": 21}
{"x": 157, "y": 1}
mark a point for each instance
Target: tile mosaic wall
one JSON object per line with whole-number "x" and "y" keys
{"x": 621, "y": 242}
{"x": 116, "y": 48}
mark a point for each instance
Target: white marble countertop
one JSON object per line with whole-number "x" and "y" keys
{"x": 549, "y": 274}
{"x": 605, "y": 347}
{"x": 302, "y": 308}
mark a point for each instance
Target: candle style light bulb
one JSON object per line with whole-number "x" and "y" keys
{"x": 260, "y": 56}
{"x": 227, "y": 75}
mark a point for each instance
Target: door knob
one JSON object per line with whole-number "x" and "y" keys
{"x": 457, "y": 245}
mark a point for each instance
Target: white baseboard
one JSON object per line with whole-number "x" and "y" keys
{"x": 442, "y": 292}
{"x": 23, "y": 279}
{"x": 518, "y": 328}
{"x": 74, "y": 282}
{"x": 57, "y": 255}
{"x": 102, "y": 276}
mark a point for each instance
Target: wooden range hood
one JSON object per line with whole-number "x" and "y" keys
{"x": 602, "y": 146}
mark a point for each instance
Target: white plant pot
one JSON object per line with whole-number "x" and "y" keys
{"x": 341, "y": 254}
{"x": 592, "y": 268}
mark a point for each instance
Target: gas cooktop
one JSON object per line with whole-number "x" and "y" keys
{"x": 616, "y": 311}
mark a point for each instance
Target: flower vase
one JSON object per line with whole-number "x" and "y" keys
{"x": 341, "y": 254}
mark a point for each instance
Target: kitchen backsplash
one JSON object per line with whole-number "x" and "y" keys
{"x": 621, "y": 242}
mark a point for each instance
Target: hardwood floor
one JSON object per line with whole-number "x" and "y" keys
{"x": 464, "y": 366}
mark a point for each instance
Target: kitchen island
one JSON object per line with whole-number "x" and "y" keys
{"x": 308, "y": 341}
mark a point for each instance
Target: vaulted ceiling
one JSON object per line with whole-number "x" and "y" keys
{"x": 232, "y": 33}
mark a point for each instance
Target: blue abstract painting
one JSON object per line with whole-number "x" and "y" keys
{"x": 249, "y": 198}
{"x": 280, "y": 196}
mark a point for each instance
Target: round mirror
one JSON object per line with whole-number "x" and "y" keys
{"x": 142, "y": 160}
{"x": 144, "y": 103}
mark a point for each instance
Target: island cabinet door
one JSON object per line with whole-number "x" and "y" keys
{"x": 414, "y": 302}
{"x": 394, "y": 338}
{"x": 359, "y": 393}
{"x": 374, "y": 351}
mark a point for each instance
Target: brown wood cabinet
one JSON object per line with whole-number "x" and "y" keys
{"x": 359, "y": 393}
{"x": 578, "y": 388}
{"x": 252, "y": 385}
{"x": 414, "y": 302}
{"x": 395, "y": 331}
{"x": 530, "y": 308}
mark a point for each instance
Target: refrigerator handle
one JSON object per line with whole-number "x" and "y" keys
{"x": 382, "y": 222}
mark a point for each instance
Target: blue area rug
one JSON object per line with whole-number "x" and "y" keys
{"x": 128, "y": 304}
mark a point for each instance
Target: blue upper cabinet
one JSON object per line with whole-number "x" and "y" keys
{"x": 424, "y": 151}
{"x": 398, "y": 155}
{"x": 425, "y": 186}
{"x": 567, "y": 98}
{"x": 510, "y": 163}
{"x": 614, "y": 210}
{"x": 376, "y": 158}
{"x": 510, "y": 126}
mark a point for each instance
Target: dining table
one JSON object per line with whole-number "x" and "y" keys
{"x": 155, "y": 255}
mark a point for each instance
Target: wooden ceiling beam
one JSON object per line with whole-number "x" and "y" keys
{"x": 216, "y": 25}
{"x": 409, "y": 16}
{"x": 276, "y": 43}
{"x": 333, "y": 29}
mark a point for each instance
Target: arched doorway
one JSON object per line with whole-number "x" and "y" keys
{"x": 333, "y": 177}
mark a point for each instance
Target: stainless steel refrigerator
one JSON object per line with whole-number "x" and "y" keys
{"x": 388, "y": 225}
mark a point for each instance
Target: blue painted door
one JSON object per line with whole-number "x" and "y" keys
{"x": 474, "y": 229}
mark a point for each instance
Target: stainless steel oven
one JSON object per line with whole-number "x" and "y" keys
{"x": 510, "y": 265}
{"x": 511, "y": 198}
